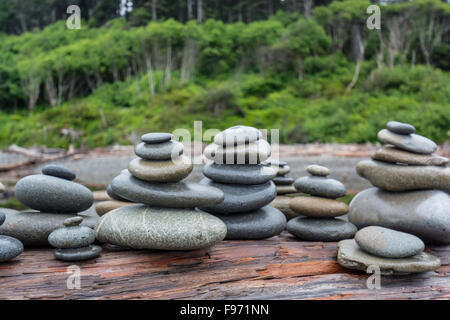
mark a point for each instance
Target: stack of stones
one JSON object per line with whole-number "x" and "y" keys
{"x": 283, "y": 183}
{"x": 115, "y": 202}
{"x": 166, "y": 218}
{"x": 74, "y": 242}
{"x": 9, "y": 247}
{"x": 412, "y": 186}
{"x": 393, "y": 252}
{"x": 55, "y": 197}
{"x": 236, "y": 169}
{"x": 320, "y": 209}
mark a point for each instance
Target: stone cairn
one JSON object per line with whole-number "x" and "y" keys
{"x": 237, "y": 154}
{"x": 74, "y": 242}
{"x": 116, "y": 202}
{"x": 320, "y": 208}
{"x": 165, "y": 217}
{"x": 9, "y": 247}
{"x": 55, "y": 197}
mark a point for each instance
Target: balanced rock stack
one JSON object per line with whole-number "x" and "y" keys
{"x": 320, "y": 209}
{"x": 412, "y": 186}
{"x": 55, "y": 196}
{"x": 74, "y": 242}
{"x": 283, "y": 183}
{"x": 237, "y": 154}
{"x": 166, "y": 218}
{"x": 116, "y": 202}
{"x": 9, "y": 247}
{"x": 393, "y": 252}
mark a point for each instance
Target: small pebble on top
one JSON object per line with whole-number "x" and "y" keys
{"x": 156, "y": 137}
{"x": 316, "y": 170}
{"x": 400, "y": 127}
{"x": 59, "y": 172}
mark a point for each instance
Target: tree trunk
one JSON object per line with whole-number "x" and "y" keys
{"x": 154, "y": 13}
{"x": 360, "y": 51}
{"x": 270, "y": 8}
{"x": 190, "y": 12}
{"x": 240, "y": 18}
{"x": 199, "y": 11}
{"x": 151, "y": 83}
{"x": 300, "y": 67}
{"x": 168, "y": 72}
{"x": 50, "y": 90}
{"x": 307, "y": 6}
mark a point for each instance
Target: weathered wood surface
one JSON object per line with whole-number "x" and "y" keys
{"x": 278, "y": 268}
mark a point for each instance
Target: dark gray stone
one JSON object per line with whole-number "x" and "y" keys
{"x": 2, "y": 218}
{"x": 51, "y": 194}
{"x": 78, "y": 254}
{"x": 311, "y": 229}
{"x": 9, "y": 248}
{"x": 413, "y": 142}
{"x": 400, "y": 127}
{"x": 115, "y": 196}
{"x": 388, "y": 243}
{"x": 241, "y": 198}
{"x": 156, "y": 137}
{"x": 143, "y": 227}
{"x": 320, "y": 186}
{"x": 72, "y": 237}
{"x": 423, "y": 213}
{"x": 239, "y": 173}
{"x": 160, "y": 151}
{"x": 59, "y": 172}
{"x": 237, "y": 135}
{"x": 283, "y": 181}
{"x": 174, "y": 195}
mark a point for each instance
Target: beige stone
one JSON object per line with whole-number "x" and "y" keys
{"x": 106, "y": 206}
{"x": 318, "y": 207}
{"x": 161, "y": 171}
{"x": 394, "y": 155}
{"x": 282, "y": 204}
{"x": 286, "y": 189}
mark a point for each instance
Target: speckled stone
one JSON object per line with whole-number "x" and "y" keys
{"x": 2, "y": 218}
{"x": 241, "y": 198}
{"x": 59, "y": 172}
{"x": 311, "y": 229}
{"x": 106, "y": 206}
{"x": 239, "y": 173}
{"x": 72, "y": 237}
{"x": 317, "y": 207}
{"x": 51, "y": 194}
{"x": 161, "y": 171}
{"x": 413, "y": 142}
{"x": 74, "y": 221}
{"x": 400, "y": 127}
{"x": 393, "y": 177}
{"x": 160, "y": 151}
{"x": 282, "y": 203}
{"x": 351, "y": 256}
{"x": 388, "y": 243}
{"x": 394, "y": 155}
{"x": 286, "y": 189}
{"x": 320, "y": 186}
{"x": 142, "y": 227}
{"x": 174, "y": 195}
{"x": 113, "y": 195}
{"x": 423, "y": 213}
{"x": 78, "y": 254}
{"x": 9, "y": 248}
{"x": 259, "y": 224}
{"x": 252, "y": 153}
{"x": 156, "y": 137}
{"x": 316, "y": 170}
{"x": 283, "y": 181}
{"x": 237, "y": 135}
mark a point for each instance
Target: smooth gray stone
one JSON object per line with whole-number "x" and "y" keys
{"x": 259, "y": 224}
{"x": 9, "y": 248}
{"x": 78, "y": 254}
{"x": 51, "y": 194}
{"x": 252, "y": 153}
{"x": 74, "y": 221}
{"x": 32, "y": 228}
{"x": 2, "y": 218}
{"x": 413, "y": 142}
{"x": 239, "y": 173}
{"x": 241, "y": 198}
{"x": 423, "y": 213}
{"x": 156, "y": 137}
{"x": 316, "y": 170}
{"x": 143, "y": 227}
{"x": 283, "y": 181}
{"x": 312, "y": 229}
{"x": 113, "y": 195}
{"x": 174, "y": 195}
{"x": 400, "y": 127}
{"x": 320, "y": 186}
{"x": 394, "y": 177}
{"x": 72, "y": 237}
{"x": 276, "y": 163}
{"x": 59, "y": 172}
{"x": 237, "y": 135}
{"x": 388, "y": 243}
{"x": 160, "y": 151}
{"x": 351, "y": 256}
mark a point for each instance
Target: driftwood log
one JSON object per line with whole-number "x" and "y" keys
{"x": 278, "y": 268}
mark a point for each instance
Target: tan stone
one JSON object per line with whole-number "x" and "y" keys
{"x": 318, "y": 207}
{"x": 282, "y": 204}
{"x": 101, "y": 195}
{"x": 106, "y": 206}
{"x": 161, "y": 171}
{"x": 394, "y": 155}
{"x": 286, "y": 189}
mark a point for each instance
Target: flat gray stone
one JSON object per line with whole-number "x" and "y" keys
{"x": 320, "y": 186}
{"x": 142, "y": 227}
{"x": 160, "y": 151}
{"x": 316, "y": 170}
{"x": 241, "y": 198}
{"x": 413, "y": 142}
{"x": 113, "y": 195}
{"x": 388, "y": 243}
{"x": 239, "y": 173}
{"x": 9, "y": 248}
{"x": 237, "y": 135}
{"x": 78, "y": 254}
{"x": 400, "y": 127}
{"x": 173, "y": 195}
{"x": 394, "y": 155}
{"x": 283, "y": 181}
{"x": 423, "y": 213}
{"x": 393, "y": 177}
{"x": 311, "y": 229}
{"x": 51, "y": 194}
{"x": 156, "y": 137}
{"x": 351, "y": 256}
{"x": 252, "y": 153}
{"x": 72, "y": 237}
{"x": 259, "y": 224}
{"x": 59, "y": 172}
